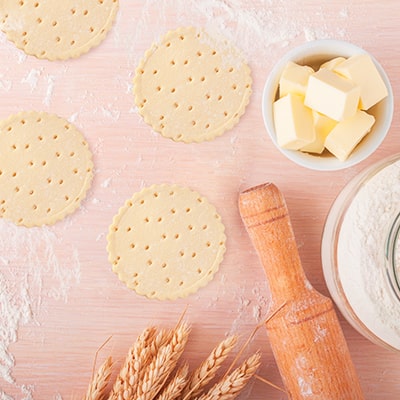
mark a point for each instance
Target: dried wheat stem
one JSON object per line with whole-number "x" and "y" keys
{"x": 161, "y": 366}
{"x": 260, "y": 378}
{"x": 98, "y": 385}
{"x": 173, "y": 390}
{"x": 208, "y": 368}
{"x": 141, "y": 356}
{"x": 231, "y": 385}
{"x": 272, "y": 315}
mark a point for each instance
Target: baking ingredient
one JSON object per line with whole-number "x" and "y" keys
{"x": 293, "y": 122}
{"x": 152, "y": 371}
{"x": 361, "y": 70}
{"x": 331, "y": 64}
{"x": 148, "y": 370}
{"x": 191, "y": 86}
{"x": 45, "y": 168}
{"x": 294, "y": 79}
{"x": 207, "y": 370}
{"x": 166, "y": 242}
{"x": 345, "y": 136}
{"x": 335, "y": 93}
{"x": 332, "y": 95}
{"x": 231, "y": 385}
{"x": 305, "y": 335}
{"x": 37, "y": 269}
{"x": 68, "y": 30}
{"x": 322, "y": 126}
{"x": 361, "y": 253}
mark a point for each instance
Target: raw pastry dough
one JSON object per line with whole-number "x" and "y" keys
{"x": 45, "y": 168}
{"x": 57, "y": 31}
{"x": 191, "y": 87}
{"x": 166, "y": 242}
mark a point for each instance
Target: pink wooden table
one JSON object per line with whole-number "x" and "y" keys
{"x": 65, "y": 298}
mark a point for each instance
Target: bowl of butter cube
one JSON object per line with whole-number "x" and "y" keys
{"x": 327, "y": 104}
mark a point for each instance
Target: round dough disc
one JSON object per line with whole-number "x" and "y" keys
{"x": 166, "y": 242}
{"x": 57, "y": 32}
{"x": 45, "y": 168}
{"x": 191, "y": 87}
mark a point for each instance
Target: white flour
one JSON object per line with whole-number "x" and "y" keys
{"x": 361, "y": 254}
{"x": 31, "y": 273}
{"x": 255, "y": 27}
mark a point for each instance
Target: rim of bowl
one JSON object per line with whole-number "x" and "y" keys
{"x": 326, "y": 48}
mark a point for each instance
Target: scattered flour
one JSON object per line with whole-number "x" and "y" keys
{"x": 32, "y": 78}
{"x": 255, "y": 29}
{"x": 31, "y": 274}
{"x": 4, "y": 396}
{"x": 5, "y": 83}
{"x": 110, "y": 112}
{"x": 106, "y": 183}
{"x": 73, "y": 118}
{"x": 51, "y": 79}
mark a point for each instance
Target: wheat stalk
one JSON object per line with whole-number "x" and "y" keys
{"x": 141, "y": 356}
{"x": 173, "y": 390}
{"x": 127, "y": 379}
{"x": 208, "y": 368}
{"x": 231, "y": 385}
{"x": 147, "y": 368}
{"x": 161, "y": 366}
{"x": 98, "y": 385}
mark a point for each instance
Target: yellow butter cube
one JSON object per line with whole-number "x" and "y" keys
{"x": 294, "y": 79}
{"x": 293, "y": 122}
{"x": 345, "y": 136}
{"x": 332, "y": 64}
{"x": 323, "y": 126}
{"x": 363, "y": 72}
{"x": 332, "y": 95}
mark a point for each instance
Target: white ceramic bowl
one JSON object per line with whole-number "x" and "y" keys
{"x": 314, "y": 53}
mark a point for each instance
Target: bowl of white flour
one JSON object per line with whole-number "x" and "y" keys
{"x": 361, "y": 252}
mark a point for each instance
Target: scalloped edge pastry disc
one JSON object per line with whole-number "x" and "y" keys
{"x": 166, "y": 242}
{"x": 191, "y": 87}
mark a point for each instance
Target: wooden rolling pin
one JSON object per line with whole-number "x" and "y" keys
{"x": 306, "y": 338}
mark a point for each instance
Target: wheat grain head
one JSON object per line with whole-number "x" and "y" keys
{"x": 98, "y": 386}
{"x": 231, "y": 385}
{"x": 208, "y": 368}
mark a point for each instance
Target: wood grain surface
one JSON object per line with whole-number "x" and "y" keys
{"x": 76, "y": 302}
